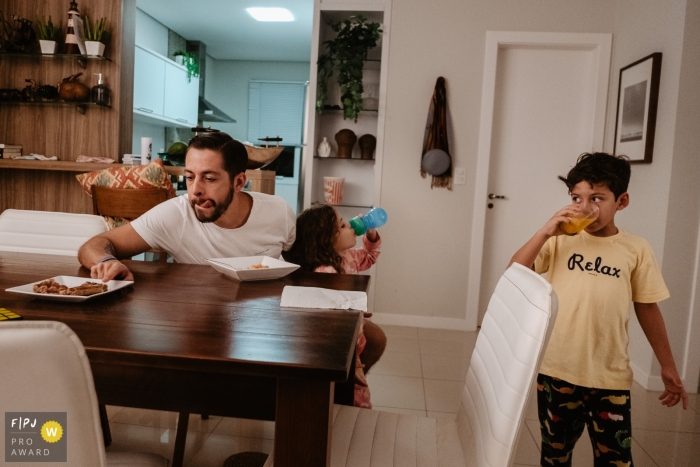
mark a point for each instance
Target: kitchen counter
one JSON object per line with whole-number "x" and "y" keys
{"x": 260, "y": 180}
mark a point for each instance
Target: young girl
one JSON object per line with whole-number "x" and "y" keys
{"x": 326, "y": 243}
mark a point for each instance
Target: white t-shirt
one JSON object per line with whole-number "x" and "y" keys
{"x": 172, "y": 226}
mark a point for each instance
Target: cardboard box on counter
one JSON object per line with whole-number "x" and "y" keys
{"x": 7, "y": 151}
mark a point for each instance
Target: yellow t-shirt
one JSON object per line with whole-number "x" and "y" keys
{"x": 596, "y": 279}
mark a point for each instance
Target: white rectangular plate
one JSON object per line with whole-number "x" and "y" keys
{"x": 69, "y": 281}
{"x": 240, "y": 268}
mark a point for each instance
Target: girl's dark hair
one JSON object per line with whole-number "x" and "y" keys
{"x": 317, "y": 228}
{"x": 233, "y": 152}
{"x": 600, "y": 167}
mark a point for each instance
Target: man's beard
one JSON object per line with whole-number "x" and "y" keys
{"x": 219, "y": 209}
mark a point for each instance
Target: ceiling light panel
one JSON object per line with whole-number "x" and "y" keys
{"x": 270, "y": 14}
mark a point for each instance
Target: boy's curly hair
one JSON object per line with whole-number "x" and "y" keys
{"x": 317, "y": 228}
{"x": 600, "y": 167}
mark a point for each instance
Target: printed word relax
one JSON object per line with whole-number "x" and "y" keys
{"x": 578, "y": 260}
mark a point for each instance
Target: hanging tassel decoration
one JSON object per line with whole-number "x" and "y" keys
{"x": 435, "y": 158}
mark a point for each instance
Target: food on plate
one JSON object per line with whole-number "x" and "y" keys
{"x": 50, "y": 286}
{"x": 259, "y": 266}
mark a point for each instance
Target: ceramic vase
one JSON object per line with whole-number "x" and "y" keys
{"x": 367, "y": 145}
{"x": 346, "y": 140}
{"x": 94, "y": 48}
{"x": 47, "y": 47}
{"x": 324, "y": 148}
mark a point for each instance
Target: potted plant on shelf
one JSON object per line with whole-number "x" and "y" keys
{"x": 346, "y": 55}
{"x": 48, "y": 34}
{"x": 179, "y": 56}
{"x": 94, "y": 36}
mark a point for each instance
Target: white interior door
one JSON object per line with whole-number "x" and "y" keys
{"x": 545, "y": 112}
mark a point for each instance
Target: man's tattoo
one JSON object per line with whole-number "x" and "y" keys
{"x": 109, "y": 249}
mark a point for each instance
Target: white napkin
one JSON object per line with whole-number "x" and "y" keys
{"x": 316, "y": 297}
{"x": 37, "y": 156}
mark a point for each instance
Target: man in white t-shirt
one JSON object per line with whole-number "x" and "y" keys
{"x": 215, "y": 219}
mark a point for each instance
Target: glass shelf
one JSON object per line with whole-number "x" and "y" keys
{"x": 339, "y": 110}
{"x": 81, "y": 106}
{"x": 345, "y": 158}
{"x": 81, "y": 59}
{"x": 343, "y": 205}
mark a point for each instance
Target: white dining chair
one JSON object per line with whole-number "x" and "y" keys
{"x": 44, "y": 368}
{"x": 49, "y": 233}
{"x": 501, "y": 374}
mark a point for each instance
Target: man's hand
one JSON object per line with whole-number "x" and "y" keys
{"x": 112, "y": 269}
{"x": 674, "y": 391}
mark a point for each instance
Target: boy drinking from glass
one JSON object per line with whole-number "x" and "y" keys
{"x": 585, "y": 377}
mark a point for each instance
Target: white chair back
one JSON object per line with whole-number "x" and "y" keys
{"x": 44, "y": 368}
{"x": 504, "y": 366}
{"x": 50, "y": 233}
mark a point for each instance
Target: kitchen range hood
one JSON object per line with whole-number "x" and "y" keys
{"x": 208, "y": 112}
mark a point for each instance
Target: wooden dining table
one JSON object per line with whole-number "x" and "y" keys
{"x": 188, "y": 339}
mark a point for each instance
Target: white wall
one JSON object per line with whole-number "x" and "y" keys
{"x": 641, "y": 28}
{"x": 423, "y": 271}
{"x": 227, "y": 87}
{"x": 422, "y": 275}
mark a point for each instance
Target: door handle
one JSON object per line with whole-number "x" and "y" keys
{"x": 492, "y": 196}
{"x": 181, "y": 120}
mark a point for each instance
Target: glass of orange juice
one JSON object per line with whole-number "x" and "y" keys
{"x": 584, "y": 217}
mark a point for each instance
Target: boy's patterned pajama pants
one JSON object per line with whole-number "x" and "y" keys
{"x": 564, "y": 409}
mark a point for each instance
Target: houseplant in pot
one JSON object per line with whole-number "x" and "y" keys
{"x": 94, "y": 36}
{"x": 179, "y": 56}
{"x": 346, "y": 55}
{"x": 48, "y": 33}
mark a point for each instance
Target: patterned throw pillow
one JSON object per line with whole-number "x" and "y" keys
{"x": 148, "y": 176}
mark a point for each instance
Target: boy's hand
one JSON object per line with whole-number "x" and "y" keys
{"x": 674, "y": 391}
{"x": 551, "y": 228}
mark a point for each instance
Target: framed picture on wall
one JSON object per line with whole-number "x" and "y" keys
{"x": 637, "y": 99}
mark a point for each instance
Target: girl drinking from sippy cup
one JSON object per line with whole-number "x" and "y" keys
{"x": 326, "y": 243}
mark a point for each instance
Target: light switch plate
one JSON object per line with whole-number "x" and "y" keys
{"x": 460, "y": 176}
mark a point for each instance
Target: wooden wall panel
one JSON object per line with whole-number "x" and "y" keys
{"x": 42, "y": 190}
{"x": 62, "y": 131}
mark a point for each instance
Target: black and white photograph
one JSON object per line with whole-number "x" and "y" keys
{"x": 637, "y": 101}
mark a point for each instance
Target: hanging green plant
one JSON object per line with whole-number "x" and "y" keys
{"x": 192, "y": 65}
{"x": 346, "y": 55}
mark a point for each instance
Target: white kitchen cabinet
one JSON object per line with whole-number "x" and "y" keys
{"x": 181, "y": 95}
{"x": 149, "y": 79}
{"x": 162, "y": 93}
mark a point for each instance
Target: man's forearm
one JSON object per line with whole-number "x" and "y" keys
{"x": 94, "y": 250}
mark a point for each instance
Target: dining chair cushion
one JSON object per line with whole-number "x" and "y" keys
{"x": 50, "y": 233}
{"x": 44, "y": 368}
{"x": 148, "y": 176}
{"x": 501, "y": 374}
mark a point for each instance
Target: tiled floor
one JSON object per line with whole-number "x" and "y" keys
{"x": 420, "y": 373}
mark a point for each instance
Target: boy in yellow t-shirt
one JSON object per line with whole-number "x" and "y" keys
{"x": 585, "y": 377}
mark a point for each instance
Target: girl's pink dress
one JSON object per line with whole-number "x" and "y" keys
{"x": 354, "y": 261}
